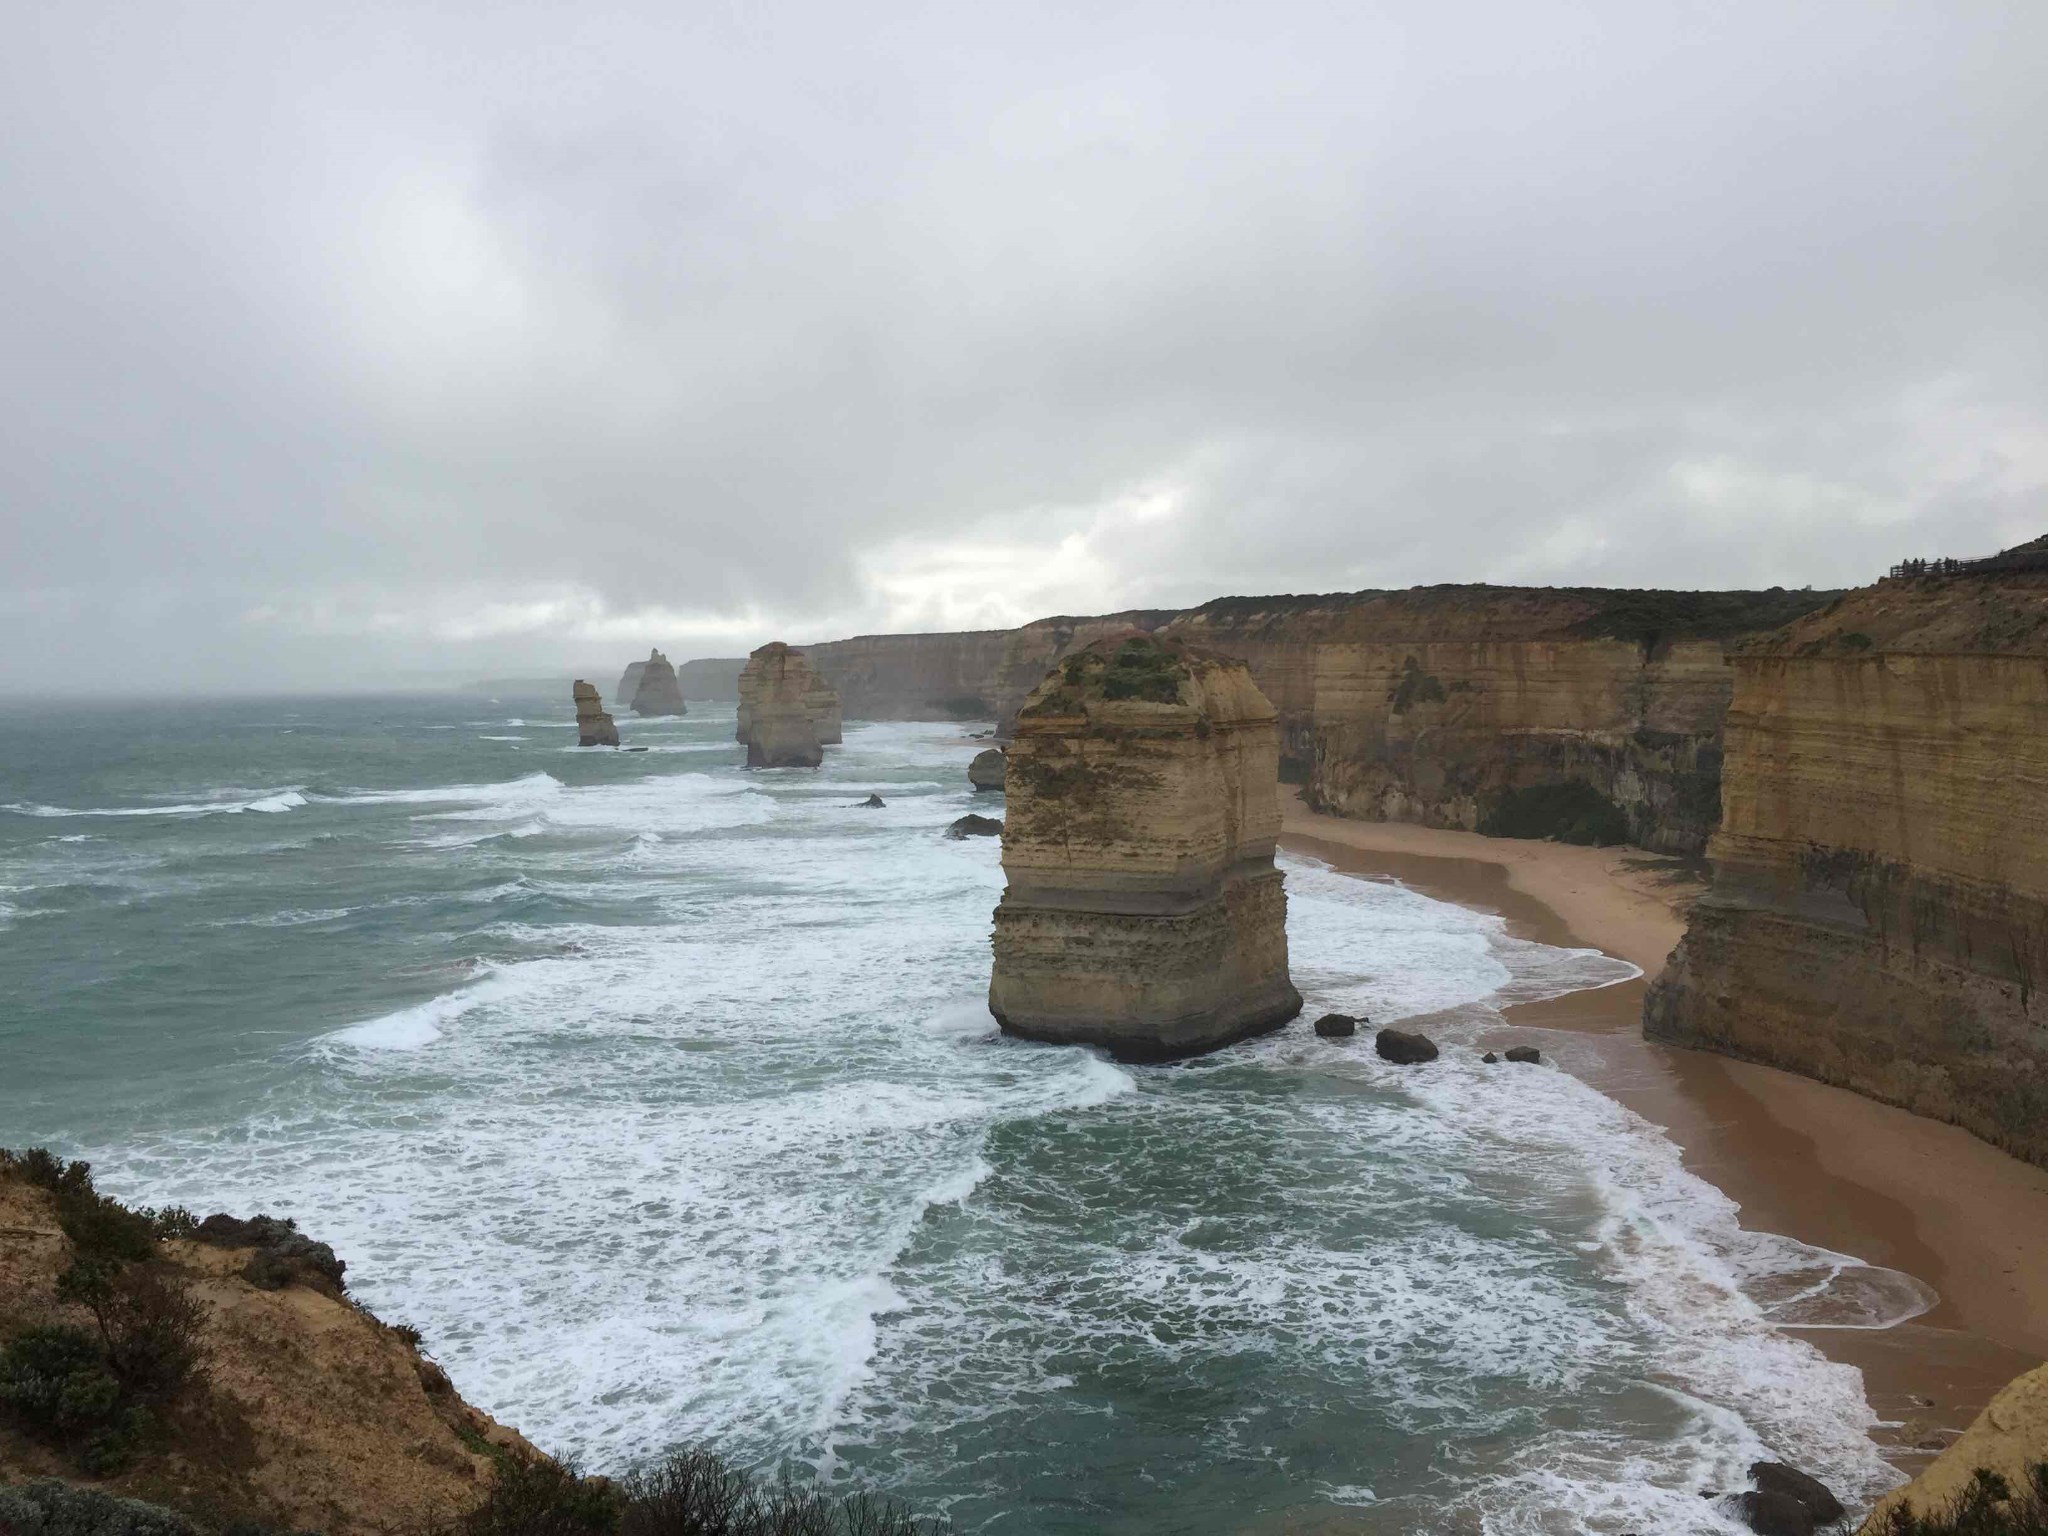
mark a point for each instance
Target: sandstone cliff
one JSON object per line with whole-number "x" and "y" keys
{"x": 711, "y": 677}
{"x": 656, "y": 692}
{"x": 2010, "y": 1438}
{"x": 777, "y": 690}
{"x": 973, "y": 675}
{"x": 1433, "y": 705}
{"x": 594, "y": 728}
{"x": 821, "y": 702}
{"x": 307, "y": 1413}
{"x": 1879, "y": 911}
{"x": 1143, "y": 912}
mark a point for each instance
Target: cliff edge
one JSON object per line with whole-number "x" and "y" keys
{"x": 1878, "y": 916}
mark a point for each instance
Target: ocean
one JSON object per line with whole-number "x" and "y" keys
{"x": 662, "y": 1097}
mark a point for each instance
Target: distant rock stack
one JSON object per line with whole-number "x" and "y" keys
{"x": 657, "y": 692}
{"x": 629, "y": 683}
{"x": 594, "y": 727}
{"x": 823, "y": 704}
{"x": 986, "y": 771}
{"x": 780, "y": 731}
{"x": 1143, "y": 912}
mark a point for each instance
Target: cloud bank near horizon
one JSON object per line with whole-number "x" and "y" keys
{"x": 499, "y": 338}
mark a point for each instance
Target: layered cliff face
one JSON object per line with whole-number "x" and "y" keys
{"x": 711, "y": 677}
{"x": 973, "y": 675}
{"x": 594, "y": 728}
{"x": 1142, "y": 912}
{"x": 821, "y": 702}
{"x": 1434, "y": 705}
{"x": 657, "y": 692}
{"x": 776, "y": 693}
{"x": 1879, "y": 911}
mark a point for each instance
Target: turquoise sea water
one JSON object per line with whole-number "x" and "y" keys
{"x": 662, "y": 1097}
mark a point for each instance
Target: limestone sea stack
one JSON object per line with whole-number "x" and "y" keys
{"x": 775, "y": 690}
{"x": 656, "y": 692}
{"x": 823, "y": 704}
{"x": 629, "y": 683}
{"x": 1143, "y": 913}
{"x": 594, "y": 727}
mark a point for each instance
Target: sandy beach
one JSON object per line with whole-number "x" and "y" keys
{"x": 1815, "y": 1163}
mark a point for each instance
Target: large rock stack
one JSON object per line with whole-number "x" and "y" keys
{"x": 1879, "y": 912}
{"x": 655, "y": 691}
{"x": 1143, "y": 912}
{"x": 594, "y": 728}
{"x": 775, "y": 712}
{"x": 823, "y": 704}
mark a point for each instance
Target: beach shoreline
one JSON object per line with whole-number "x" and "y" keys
{"x": 1812, "y": 1162}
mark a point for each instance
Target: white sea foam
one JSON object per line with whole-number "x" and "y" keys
{"x": 231, "y": 803}
{"x": 755, "y": 1169}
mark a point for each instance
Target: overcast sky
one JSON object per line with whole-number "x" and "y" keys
{"x": 339, "y": 342}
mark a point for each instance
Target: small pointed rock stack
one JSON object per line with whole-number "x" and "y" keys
{"x": 656, "y": 691}
{"x": 594, "y": 728}
{"x": 776, "y": 721}
{"x": 1143, "y": 912}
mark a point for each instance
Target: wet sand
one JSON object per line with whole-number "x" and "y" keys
{"x": 1816, "y": 1163}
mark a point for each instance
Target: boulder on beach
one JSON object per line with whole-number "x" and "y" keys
{"x": 1336, "y": 1026}
{"x": 1774, "y": 1514}
{"x": 1403, "y": 1048}
{"x": 986, "y": 771}
{"x": 1527, "y": 1053}
{"x": 975, "y": 826}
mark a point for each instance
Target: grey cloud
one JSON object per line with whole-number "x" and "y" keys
{"x": 338, "y": 344}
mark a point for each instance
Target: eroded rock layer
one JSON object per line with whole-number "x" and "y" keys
{"x": 776, "y": 692}
{"x": 1142, "y": 912}
{"x": 1433, "y": 705}
{"x": 657, "y": 691}
{"x": 1879, "y": 911}
{"x": 594, "y": 728}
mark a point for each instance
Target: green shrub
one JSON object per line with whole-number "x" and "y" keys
{"x": 1988, "y": 1507}
{"x": 56, "y": 1384}
{"x": 1142, "y": 669}
{"x": 1570, "y": 812}
{"x": 47, "y": 1507}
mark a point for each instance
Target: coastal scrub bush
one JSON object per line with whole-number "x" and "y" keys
{"x": 686, "y": 1493}
{"x": 47, "y": 1507}
{"x": 1142, "y": 669}
{"x": 1990, "y": 1506}
{"x": 1570, "y": 813}
{"x": 57, "y": 1386}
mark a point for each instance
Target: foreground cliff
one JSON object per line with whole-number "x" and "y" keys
{"x": 1142, "y": 913}
{"x": 218, "y": 1369}
{"x": 1525, "y": 711}
{"x": 2009, "y": 1440}
{"x": 1879, "y": 911}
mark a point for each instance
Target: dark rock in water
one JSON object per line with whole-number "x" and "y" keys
{"x": 986, "y": 771}
{"x": 1524, "y": 1053}
{"x": 1774, "y": 1514}
{"x": 1777, "y": 1477}
{"x": 1490, "y": 1059}
{"x": 1402, "y": 1048}
{"x": 283, "y": 1253}
{"x": 872, "y": 803}
{"x": 975, "y": 826}
{"x": 632, "y": 749}
{"x": 1336, "y": 1026}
